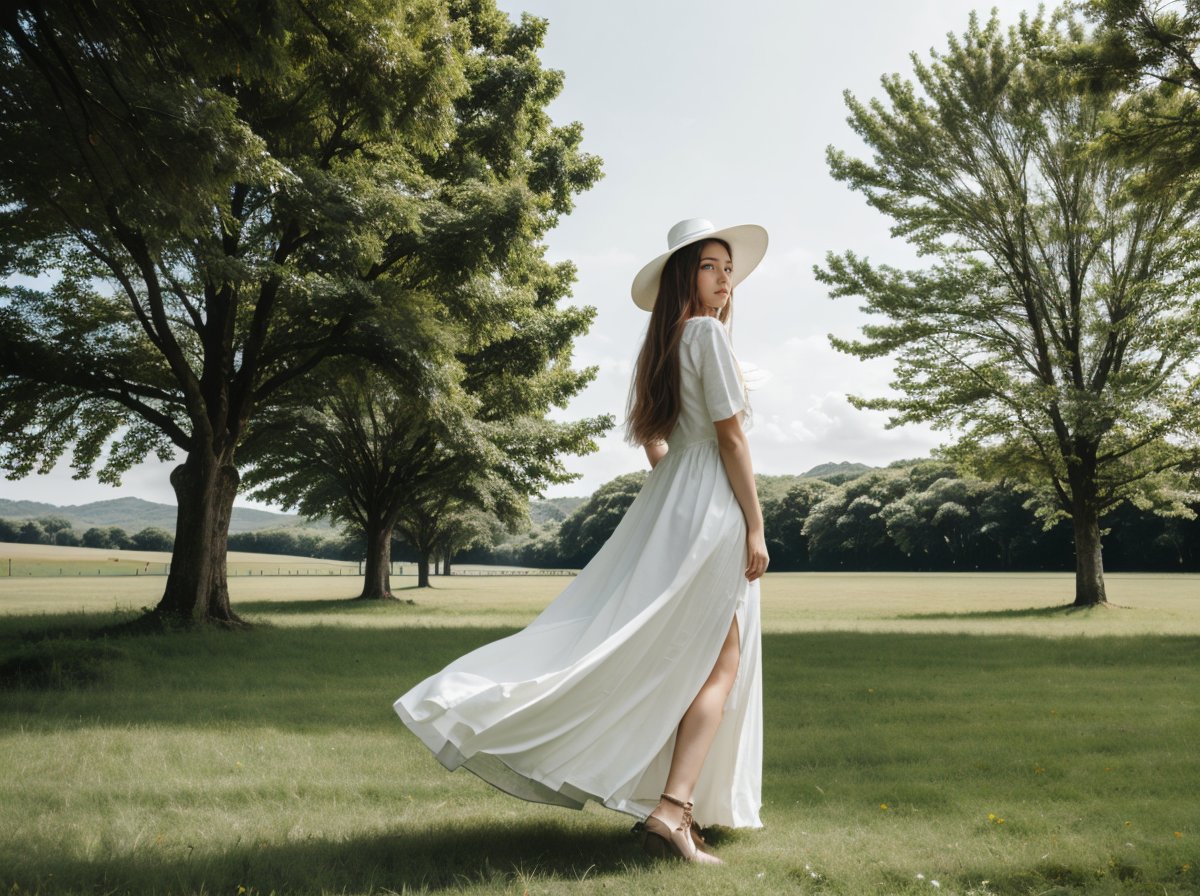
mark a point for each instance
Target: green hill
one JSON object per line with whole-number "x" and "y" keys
{"x": 134, "y": 514}
{"x": 838, "y": 471}
{"x": 553, "y": 510}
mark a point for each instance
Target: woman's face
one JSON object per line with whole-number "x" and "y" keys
{"x": 714, "y": 279}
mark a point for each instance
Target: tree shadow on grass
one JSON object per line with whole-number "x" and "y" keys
{"x": 1057, "y": 612}
{"x": 347, "y": 605}
{"x": 412, "y": 859}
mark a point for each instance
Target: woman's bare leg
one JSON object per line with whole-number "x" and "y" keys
{"x": 698, "y": 727}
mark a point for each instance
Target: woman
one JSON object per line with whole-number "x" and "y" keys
{"x": 640, "y": 685}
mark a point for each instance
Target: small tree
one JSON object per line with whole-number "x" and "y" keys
{"x": 32, "y": 532}
{"x": 10, "y": 531}
{"x": 152, "y": 539}
{"x": 95, "y": 537}
{"x": 55, "y": 524}
{"x": 1059, "y": 328}
{"x": 65, "y": 537}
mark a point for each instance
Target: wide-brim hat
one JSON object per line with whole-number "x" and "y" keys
{"x": 747, "y": 245}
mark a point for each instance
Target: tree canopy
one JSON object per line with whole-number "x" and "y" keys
{"x": 1148, "y": 50}
{"x": 472, "y": 437}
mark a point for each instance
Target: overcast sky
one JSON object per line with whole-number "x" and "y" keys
{"x": 720, "y": 111}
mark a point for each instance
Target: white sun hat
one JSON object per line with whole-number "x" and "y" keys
{"x": 747, "y": 245}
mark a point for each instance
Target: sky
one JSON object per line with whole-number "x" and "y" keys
{"x": 721, "y": 111}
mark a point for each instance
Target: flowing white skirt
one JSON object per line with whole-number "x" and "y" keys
{"x": 584, "y": 702}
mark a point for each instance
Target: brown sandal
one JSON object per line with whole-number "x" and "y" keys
{"x": 683, "y": 842}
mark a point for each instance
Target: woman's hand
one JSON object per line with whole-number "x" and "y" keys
{"x": 756, "y": 555}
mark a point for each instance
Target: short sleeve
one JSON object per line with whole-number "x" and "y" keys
{"x": 720, "y": 378}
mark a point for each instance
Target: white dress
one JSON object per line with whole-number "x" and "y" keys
{"x": 584, "y": 702}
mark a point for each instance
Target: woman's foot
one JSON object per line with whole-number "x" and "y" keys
{"x": 668, "y": 832}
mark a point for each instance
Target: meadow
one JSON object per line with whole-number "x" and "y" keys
{"x": 952, "y": 734}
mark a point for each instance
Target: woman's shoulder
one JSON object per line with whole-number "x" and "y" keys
{"x": 694, "y": 326}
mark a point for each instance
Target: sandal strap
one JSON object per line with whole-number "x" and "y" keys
{"x": 677, "y": 801}
{"x": 685, "y": 805}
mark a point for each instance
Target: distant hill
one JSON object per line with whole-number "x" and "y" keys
{"x": 553, "y": 510}
{"x": 134, "y": 514}
{"x": 839, "y": 471}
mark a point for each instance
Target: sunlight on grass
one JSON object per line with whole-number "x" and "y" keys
{"x": 918, "y": 729}
{"x": 985, "y": 603}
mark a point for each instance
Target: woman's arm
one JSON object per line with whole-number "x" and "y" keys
{"x": 735, "y": 454}
{"x": 655, "y": 451}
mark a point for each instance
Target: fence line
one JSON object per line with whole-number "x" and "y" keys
{"x": 43, "y": 571}
{"x": 513, "y": 572}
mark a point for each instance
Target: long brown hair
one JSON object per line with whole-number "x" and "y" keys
{"x": 654, "y": 400}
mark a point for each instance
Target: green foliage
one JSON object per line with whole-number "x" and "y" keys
{"x": 913, "y": 515}
{"x": 32, "y": 532}
{"x": 1055, "y": 330}
{"x": 459, "y": 444}
{"x": 583, "y": 533}
{"x": 214, "y": 189}
{"x": 153, "y": 539}
{"x": 849, "y": 522}
{"x": 105, "y": 537}
{"x": 296, "y": 542}
{"x": 1149, "y": 51}
{"x": 231, "y": 197}
{"x": 784, "y": 517}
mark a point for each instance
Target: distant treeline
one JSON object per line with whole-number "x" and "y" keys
{"x": 290, "y": 541}
{"x": 60, "y": 531}
{"x": 911, "y": 516}
{"x": 297, "y": 543}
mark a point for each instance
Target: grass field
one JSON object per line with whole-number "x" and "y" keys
{"x": 957, "y": 729}
{"x": 35, "y": 561}
{"x": 43, "y": 560}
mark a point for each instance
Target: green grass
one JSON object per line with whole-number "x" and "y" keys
{"x": 270, "y": 760}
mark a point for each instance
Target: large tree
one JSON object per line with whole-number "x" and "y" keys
{"x": 230, "y": 195}
{"x": 473, "y": 434}
{"x": 1057, "y": 329}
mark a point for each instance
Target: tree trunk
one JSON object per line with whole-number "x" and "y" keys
{"x": 1089, "y": 560}
{"x": 423, "y": 570}
{"x": 197, "y": 591}
{"x": 446, "y": 563}
{"x": 377, "y": 583}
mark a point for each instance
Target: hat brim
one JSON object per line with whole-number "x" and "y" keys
{"x": 747, "y": 245}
